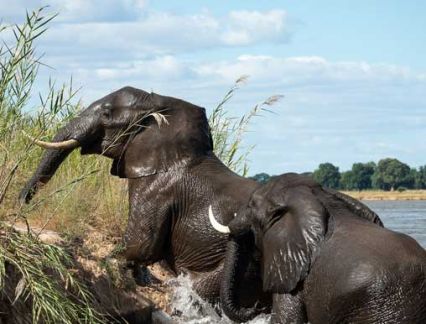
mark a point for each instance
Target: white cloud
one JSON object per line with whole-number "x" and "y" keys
{"x": 77, "y": 11}
{"x": 244, "y": 27}
{"x": 162, "y": 32}
{"x": 338, "y": 111}
{"x": 160, "y": 68}
{"x": 306, "y": 81}
{"x": 97, "y": 10}
{"x": 306, "y": 69}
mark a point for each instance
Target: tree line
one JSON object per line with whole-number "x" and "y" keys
{"x": 388, "y": 174}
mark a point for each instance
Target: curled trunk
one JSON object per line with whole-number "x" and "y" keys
{"x": 236, "y": 262}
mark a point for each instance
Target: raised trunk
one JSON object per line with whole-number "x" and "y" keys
{"x": 235, "y": 264}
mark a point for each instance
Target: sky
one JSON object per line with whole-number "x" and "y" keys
{"x": 352, "y": 73}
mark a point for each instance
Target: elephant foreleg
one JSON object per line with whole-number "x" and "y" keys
{"x": 288, "y": 308}
{"x": 146, "y": 236}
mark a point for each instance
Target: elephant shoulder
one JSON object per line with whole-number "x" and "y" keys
{"x": 358, "y": 241}
{"x": 334, "y": 197}
{"x": 410, "y": 250}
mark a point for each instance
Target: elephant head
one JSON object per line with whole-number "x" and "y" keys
{"x": 124, "y": 126}
{"x": 288, "y": 223}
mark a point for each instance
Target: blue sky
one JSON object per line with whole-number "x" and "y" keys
{"x": 353, "y": 73}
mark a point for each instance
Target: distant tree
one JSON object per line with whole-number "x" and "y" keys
{"x": 419, "y": 177}
{"x": 261, "y": 177}
{"x": 327, "y": 175}
{"x": 362, "y": 174}
{"x": 347, "y": 180}
{"x": 391, "y": 174}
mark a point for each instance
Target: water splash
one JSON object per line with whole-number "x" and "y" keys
{"x": 189, "y": 308}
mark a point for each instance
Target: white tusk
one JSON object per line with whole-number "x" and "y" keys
{"x": 216, "y": 225}
{"x": 68, "y": 144}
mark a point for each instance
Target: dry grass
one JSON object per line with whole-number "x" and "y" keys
{"x": 228, "y": 131}
{"x": 37, "y": 278}
{"x": 388, "y": 195}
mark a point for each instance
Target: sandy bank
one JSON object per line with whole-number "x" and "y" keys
{"x": 388, "y": 195}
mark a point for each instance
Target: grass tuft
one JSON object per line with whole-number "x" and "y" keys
{"x": 228, "y": 132}
{"x": 46, "y": 289}
{"x": 46, "y": 278}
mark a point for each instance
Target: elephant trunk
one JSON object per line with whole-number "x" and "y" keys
{"x": 235, "y": 263}
{"x": 240, "y": 225}
{"x": 77, "y": 129}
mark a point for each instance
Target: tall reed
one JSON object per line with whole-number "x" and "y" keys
{"x": 42, "y": 272}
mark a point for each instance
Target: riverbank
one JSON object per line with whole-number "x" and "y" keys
{"x": 388, "y": 195}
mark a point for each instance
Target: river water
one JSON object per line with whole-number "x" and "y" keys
{"x": 405, "y": 216}
{"x": 408, "y": 217}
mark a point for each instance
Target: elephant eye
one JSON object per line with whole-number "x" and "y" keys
{"x": 106, "y": 112}
{"x": 275, "y": 215}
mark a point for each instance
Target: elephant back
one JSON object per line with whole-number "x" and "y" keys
{"x": 335, "y": 200}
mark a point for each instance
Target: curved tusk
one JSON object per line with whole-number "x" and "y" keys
{"x": 68, "y": 144}
{"x": 216, "y": 225}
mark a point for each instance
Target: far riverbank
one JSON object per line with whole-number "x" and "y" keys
{"x": 387, "y": 195}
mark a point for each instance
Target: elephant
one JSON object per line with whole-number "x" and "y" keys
{"x": 172, "y": 174}
{"x": 321, "y": 261}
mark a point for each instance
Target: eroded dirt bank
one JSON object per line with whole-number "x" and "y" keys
{"x": 106, "y": 276}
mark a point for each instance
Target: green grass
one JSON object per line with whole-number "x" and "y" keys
{"x": 46, "y": 282}
{"x": 46, "y": 279}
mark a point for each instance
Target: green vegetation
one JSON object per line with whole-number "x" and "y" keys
{"x": 419, "y": 177}
{"x": 388, "y": 175}
{"x": 261, "y": 177}
{"x": 328, "y": 175}
{"x": 391, "y": 174}
{"x": 43, "y": 274}
{"x": 359, "y": 178}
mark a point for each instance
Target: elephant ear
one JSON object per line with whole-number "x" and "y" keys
{"x": 291, "y": 243}
{"x": 182, "y": 140}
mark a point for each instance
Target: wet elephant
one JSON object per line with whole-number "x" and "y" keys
{"x": 173, "y": 176}
{"x": 323, "y": 260}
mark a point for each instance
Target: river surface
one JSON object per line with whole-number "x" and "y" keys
{"x": 405, "y": 216}
{"x": 408, "y": 217}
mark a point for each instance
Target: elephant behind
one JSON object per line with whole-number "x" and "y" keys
{"x": 322, "y": 262}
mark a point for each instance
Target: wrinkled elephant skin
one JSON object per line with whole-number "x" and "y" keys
{"x": 324, "y": 259}
{"x": 173, "y": 177}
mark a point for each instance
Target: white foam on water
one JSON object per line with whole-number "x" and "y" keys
{"x": 189, "y": 308}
